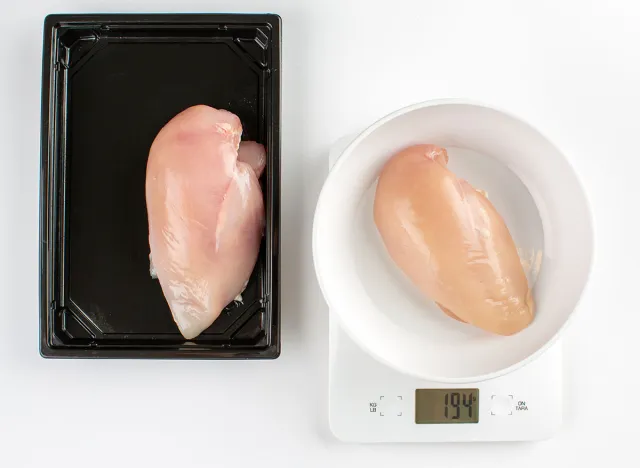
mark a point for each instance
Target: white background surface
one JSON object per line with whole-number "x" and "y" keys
{"x": 571, "y": 68}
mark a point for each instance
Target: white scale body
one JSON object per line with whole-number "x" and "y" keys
{"x": 370, "y": 402}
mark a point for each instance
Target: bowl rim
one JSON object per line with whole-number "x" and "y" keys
{"x": 587, "y": 231}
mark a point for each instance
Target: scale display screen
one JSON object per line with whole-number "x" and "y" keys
{"x": 447, "y": 405}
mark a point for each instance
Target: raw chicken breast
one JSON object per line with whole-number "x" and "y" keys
{"x": 206, "y": 213}
{"x": 451, "y": 242}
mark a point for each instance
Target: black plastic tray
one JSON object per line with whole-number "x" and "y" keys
{"x": 110, "y": 82}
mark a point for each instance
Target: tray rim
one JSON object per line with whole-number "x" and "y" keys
{"x": 47, "y": 349}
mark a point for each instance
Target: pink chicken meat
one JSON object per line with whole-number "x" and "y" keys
{"x": 206, "y": 213}
{"x": 450, "y": 241}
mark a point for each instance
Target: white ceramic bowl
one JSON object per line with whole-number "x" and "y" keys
{"x": 531, "y": 184}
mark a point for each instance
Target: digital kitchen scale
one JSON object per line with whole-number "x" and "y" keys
{"x": 370, "y": 402}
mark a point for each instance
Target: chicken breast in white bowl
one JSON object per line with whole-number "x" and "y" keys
{"x": 532, "y": 187}
{"x": 451, "y": 242}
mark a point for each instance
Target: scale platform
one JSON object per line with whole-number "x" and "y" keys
{"x": 370, "y": 402}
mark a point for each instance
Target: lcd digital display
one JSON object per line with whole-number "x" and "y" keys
{"x": 447, "y": 405}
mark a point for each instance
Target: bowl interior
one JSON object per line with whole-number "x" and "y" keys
{"x": 532, "y": 186}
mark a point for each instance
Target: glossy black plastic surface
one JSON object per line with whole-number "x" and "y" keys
{"x": 110, "y": 82}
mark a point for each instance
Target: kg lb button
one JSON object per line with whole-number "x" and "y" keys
{"x": 501, "y": 405}
{"x": 394, "y": 406}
